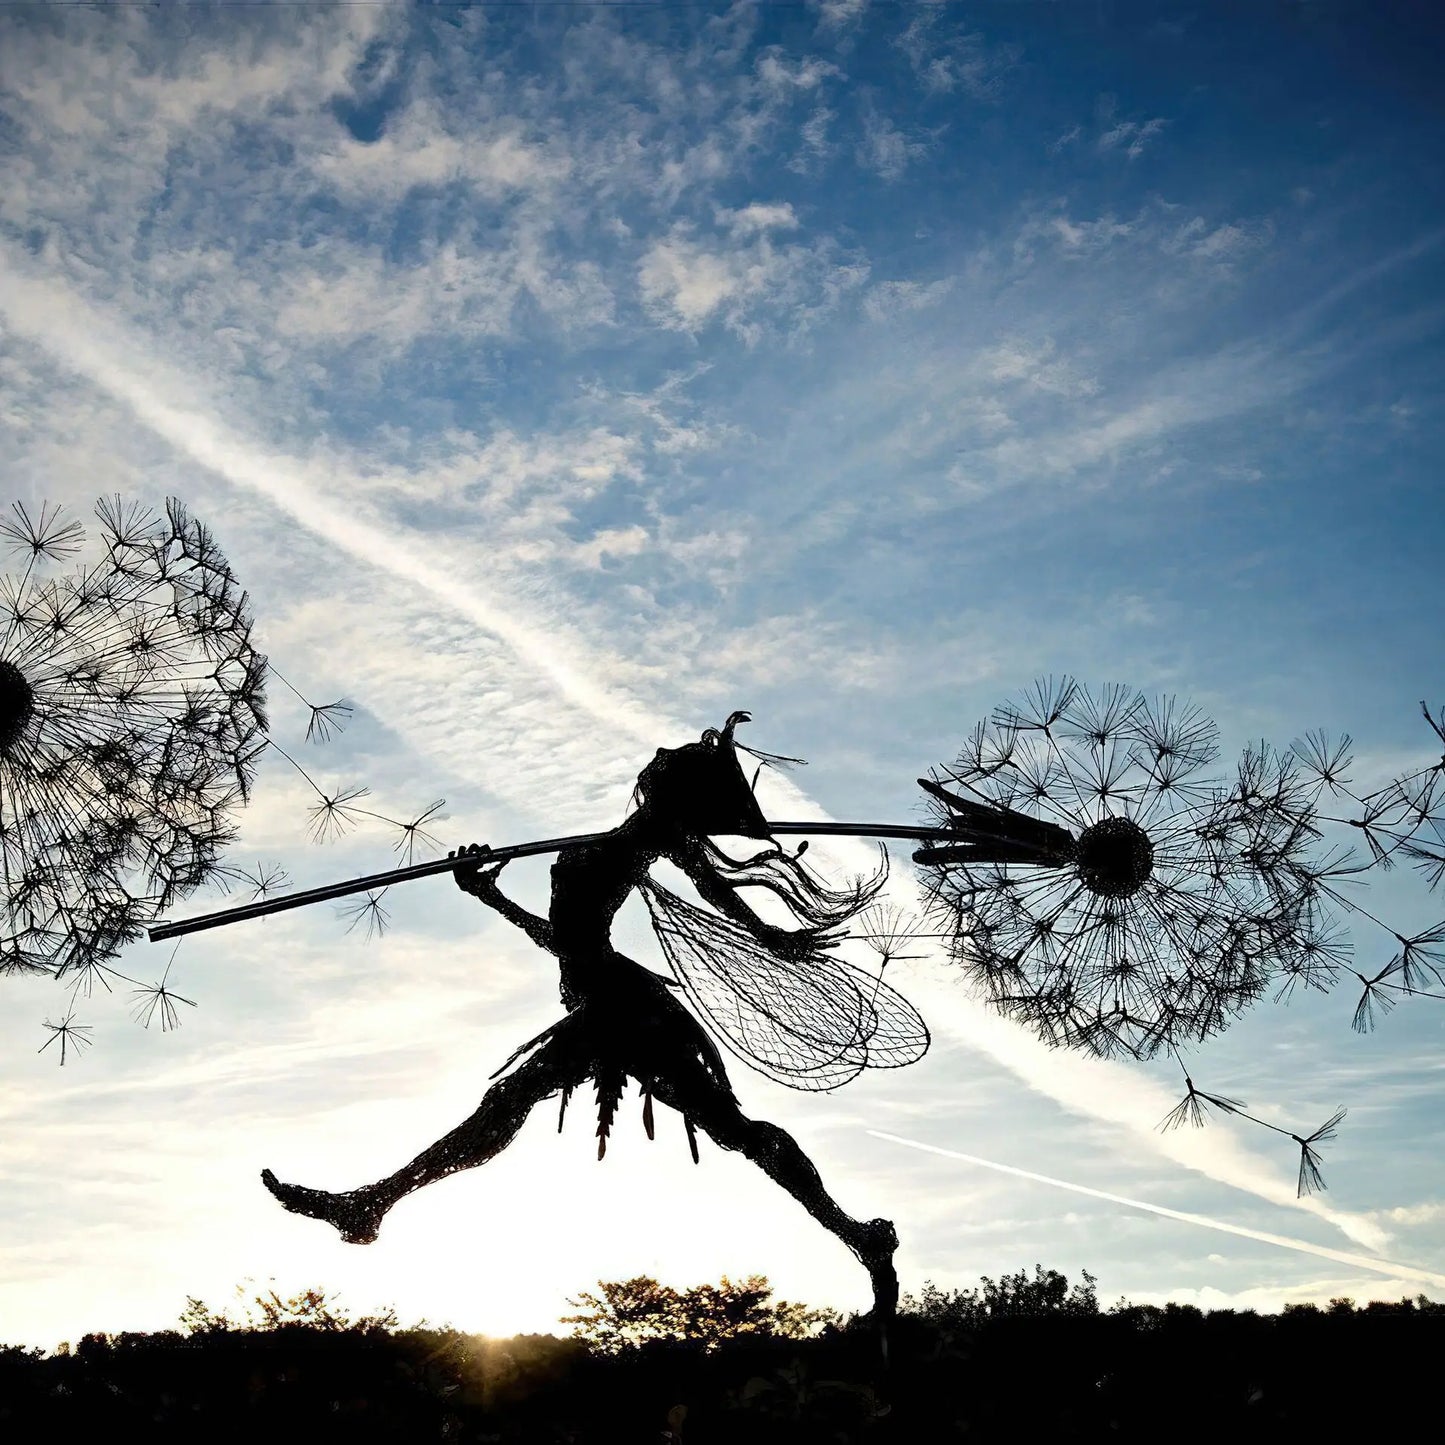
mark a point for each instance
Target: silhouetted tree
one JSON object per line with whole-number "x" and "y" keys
{"x": 633, "y": 1312}
{"x": 312, "y": 1308}
{"x": 1013, "y": 1296}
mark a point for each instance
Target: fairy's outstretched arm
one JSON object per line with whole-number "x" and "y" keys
{"x": 481, "y": 882}
{"x": 722, "y": 895}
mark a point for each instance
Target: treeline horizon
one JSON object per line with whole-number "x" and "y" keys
{"x": 1025, "y": 1354}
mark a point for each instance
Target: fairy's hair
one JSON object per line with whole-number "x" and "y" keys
{"x": 806, "y": 895}
{"x": 784, "y": 874}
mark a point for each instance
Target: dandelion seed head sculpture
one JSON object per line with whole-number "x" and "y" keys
{"x": 1179, "y": 897}
{"x": 132, "y": 706}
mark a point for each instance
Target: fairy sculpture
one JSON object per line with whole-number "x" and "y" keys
{"x": 778, "y": 997}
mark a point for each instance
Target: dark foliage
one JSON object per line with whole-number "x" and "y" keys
{"x": 1021, "y": 1358}
{"x": 632, "y": 1312}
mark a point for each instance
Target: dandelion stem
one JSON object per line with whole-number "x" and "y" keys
{"x": 262, "y": 907}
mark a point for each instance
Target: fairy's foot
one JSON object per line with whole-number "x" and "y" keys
{"x": 354, "y": 1214}
{"x": 877, "y": 1243}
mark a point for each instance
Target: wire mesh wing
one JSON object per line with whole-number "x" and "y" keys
{"x": 811, "y": 1023}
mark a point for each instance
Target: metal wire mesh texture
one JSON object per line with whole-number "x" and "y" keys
{"x": 1186, "y": 895}
{"x": 131, "y": 713}
{"x": 813, "y": 1022}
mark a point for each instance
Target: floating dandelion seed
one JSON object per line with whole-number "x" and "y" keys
{"x": 1310, "y": 1179}
{"x": 1191, "y": 1109}
{"x": 366, "y": 910}
{"x": 887, "y": 929}
{"x": 262, "y": 880}
{"x": 1374, "y": 1002}
{"x": 157, "y": 998}
{"x": 71, "y": 1035}
{"x": 333, "y": 815}
{"x": 131, "y": 711}
{"x": 414, "y": 835}
{"x": 327, "y": 719}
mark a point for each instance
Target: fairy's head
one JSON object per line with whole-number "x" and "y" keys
{"x": 701, "y": 787}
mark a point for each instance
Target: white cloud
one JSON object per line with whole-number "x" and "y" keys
{"x": 888, "y": 300}
{"x": 687, "y": 283}
{"x": 839, "y": 14}
{"x": 884, "y": 149}
{"x": 809, "y": 73}
{"x": 1131, "y": 137}
{"x": 1219, "y": 244}
{"x": 1036, "y": 365}
{"x": 1154, "y": 230}
{"x": 758, "y": 217}
{"x": 1359, "y": 1228}
{"x": 946, "y": 58}
{"x": 1078, "y": 237}
{"x": 816, "y": 146}
{"x": 1413, "y": 1216}
{"x": 1273, "y": 1298}
{"x": 57, "y": 321}
{"x": 416, "y": 150}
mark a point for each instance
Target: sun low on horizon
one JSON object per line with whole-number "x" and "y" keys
{"x": 560, "y": 381}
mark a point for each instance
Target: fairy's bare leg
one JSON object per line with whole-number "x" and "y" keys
{"x": 357, "y": 1213}
{"x": 780, "y": 1157}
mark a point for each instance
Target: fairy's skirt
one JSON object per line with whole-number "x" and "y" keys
{"x": 629, "y": 1024}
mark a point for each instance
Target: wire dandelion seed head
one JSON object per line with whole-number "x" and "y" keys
{"x": 327, "y": 720}
{"x": 1328, "y": 761}
{"x": 45, "y": 537}
{"x": 1311, "y": 1181}
{"x": 414, "y": 836}
{"x": 72, "y": 1036}
{"x": 887, "y": 930}
{"x": 1420, "y": 961}
{"x": 159, "y": 999}
{"x": 263, "y": 880}
{"x": 121, "y": 747}
{"x": 1193, "y": 1108}
{"x": 1177, "y": 897}
{"x": 334, "y": 814}
{"x": 368, "y": 911}
{"x": 1374, "y": 1002}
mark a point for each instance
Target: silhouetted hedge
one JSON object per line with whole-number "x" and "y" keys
{"x": 1066, "y": 1371}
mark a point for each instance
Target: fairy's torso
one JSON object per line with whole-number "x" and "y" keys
{"x": 590, "y": 882}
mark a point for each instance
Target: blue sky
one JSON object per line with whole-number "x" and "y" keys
{"x": 561, "y": 379}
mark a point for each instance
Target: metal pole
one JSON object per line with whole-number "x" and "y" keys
{"x": 262, "y": 907}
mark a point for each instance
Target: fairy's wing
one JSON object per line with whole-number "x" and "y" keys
{"x": 812, "y": 1023}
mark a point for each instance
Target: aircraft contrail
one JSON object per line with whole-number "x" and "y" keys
{"x": 63, "y": 325}
{"x": 1284, "y": 1241}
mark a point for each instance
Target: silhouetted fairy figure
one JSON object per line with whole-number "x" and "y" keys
{"x": 777, "y": 997}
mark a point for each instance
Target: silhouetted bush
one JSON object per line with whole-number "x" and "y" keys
{"x": 1023, "y": 1358}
